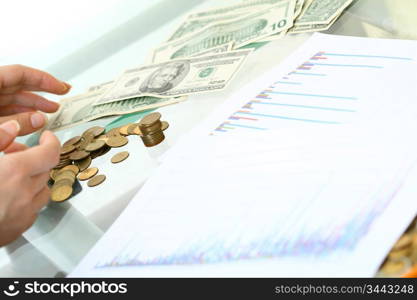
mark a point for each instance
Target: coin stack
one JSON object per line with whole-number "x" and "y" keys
{"x": 403, "y": 254}
{"x": 151, "y": 129}
{"x": 63, "y": 182}
{"x": 64, "y": 159}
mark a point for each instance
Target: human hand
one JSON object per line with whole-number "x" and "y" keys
{"x": 18, "y": 103}
{"x": 24, "y": 173}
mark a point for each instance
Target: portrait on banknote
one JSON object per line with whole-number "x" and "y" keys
{"x": 165, "y": 77}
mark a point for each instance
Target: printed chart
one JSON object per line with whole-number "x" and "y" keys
{"x": 327, "y": 88}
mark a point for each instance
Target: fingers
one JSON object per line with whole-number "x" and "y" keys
{"x": 8, "y": 132}
{"x": 41, "y": 199}
{"x": 13, "y": 109}
{"x": 29, "y": 121}
{"x": 15, "y": 147}
{"x": 39, "y": 182}
{"x": 38, "y": 159}
{"x": 29, "y": 100}
{"x": 16, "y": 78}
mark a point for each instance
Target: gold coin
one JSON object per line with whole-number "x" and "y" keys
{"x": 104, "y": 150}
{"x": 137, "y": 131}
{"x": 165, "y": 125}
{"x": 404, "y": 241}
{"x": 79, "y": 155}
{"x": 53, "y": 173}
{"x": 155, "y": 127}
{"x": 87, "y": 174}
{"x": 393, "y": 267}
{"x": 131, "y": 129}
{"x": 96, "y": 180}
{"x": 81, "y": 145}
{"x": 102, "y": 137}
{"x": 65, "y": 175}
{"x": 62, "y": 163}
{"x": 151, "y": 140}
{"x": 68, "y": 182}
{"x": 64, "y": 172}
{"x": 64, "y": 160}
{"x": 113, "y": 132}
{"x": 64, "y": 157}
{"x": 100, "y": 152}
{"x": 399, "y": 253}
{"x": 150, "y": 119}
{"x": 95, "y": 154}
{"x": 414, "y": 238}
{"x": 72, "y": 168}
{"x": 95, "y": 131}
{"x": 72, "y": 141}
{"x": 88, "y": 137}
{"x": 61, "y": 193}
{"x": 123, "y": 130}
{"x": 67, "y": 149}
{"x": 119, "y": 157}
{"x": 413, "y": 255}
{"x": 83, "y": 164}
{"x": 117, "y": 141}
{"x": 95, "y": 145}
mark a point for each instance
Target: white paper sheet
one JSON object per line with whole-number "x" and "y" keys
{"x": 297, "y": 201}
{"x": 328, "y": 80}
{"x": 322, "y": 204}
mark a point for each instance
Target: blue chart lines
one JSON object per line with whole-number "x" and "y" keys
{"x": 321, "y": 54}
{"x": 309, "y": 95}
{"x": 316, "y": 91}
{"x": 338, "y": 234}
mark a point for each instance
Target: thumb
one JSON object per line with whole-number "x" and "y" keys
{"x": 8, "y": 132}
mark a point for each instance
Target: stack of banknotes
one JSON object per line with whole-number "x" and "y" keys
{"x": 202, "y": 55}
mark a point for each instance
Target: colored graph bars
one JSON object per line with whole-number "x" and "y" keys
{"x": 291, "y": 98}
{"x": 219, "y": 247}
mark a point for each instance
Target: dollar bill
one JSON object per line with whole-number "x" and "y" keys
{"x": 177, "y": 77}
{"x": 190, "y": 25}
{"x": 297, "y": 11}
{"x": 322, "y": 11}
{"x": 215, "y": 50}
{"x": 250, "y": 5}
{"x": 298, "y": 8}
{"x": 311, "y": 27}
{"x": 79, "y": 109}
{"x": 273, "y": 37}
{"x": 242, "y": 31}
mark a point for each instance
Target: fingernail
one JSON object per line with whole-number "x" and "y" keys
{"x": 12, "y": 127}
{"x": 37, "y": 120}
{"x": 66, "y": 86}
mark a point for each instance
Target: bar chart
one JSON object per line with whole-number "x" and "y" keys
{"x": 316, "y": 91}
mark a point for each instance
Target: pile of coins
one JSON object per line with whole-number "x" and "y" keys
{"x": 64, "y": 180}
{"x": 78, "y": 153}
{"x": 152, "y": 129}
{"x": 403, "y": 254}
